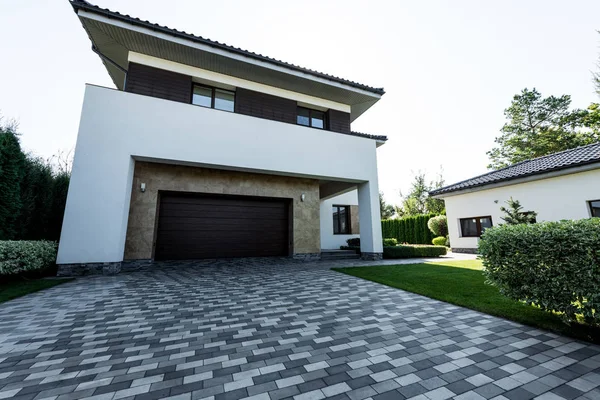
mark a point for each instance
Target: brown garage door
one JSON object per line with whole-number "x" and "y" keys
{"x": 192, "y": 226}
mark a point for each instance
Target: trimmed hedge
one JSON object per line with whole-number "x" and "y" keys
{"x": 390, "y": 242}
{"x": 404, "y": 251}
{"x": 412, "y": 230}
{"x": 552, "y": 265}
{"x": 17, "y": 257}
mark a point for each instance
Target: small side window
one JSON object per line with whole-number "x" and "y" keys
{"x": 594, "y": 208}
{"x": 474, "y": 227}
{"x": 341, "y": 220}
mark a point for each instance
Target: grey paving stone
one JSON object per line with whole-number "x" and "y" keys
{"x": 277, "y": 328}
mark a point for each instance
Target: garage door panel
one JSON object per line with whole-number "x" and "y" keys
{"x": 208, "y": 226}
{"x": 190, "y": 201}
{"x": 214, "y": 224}
{"x": 224, "y": 213}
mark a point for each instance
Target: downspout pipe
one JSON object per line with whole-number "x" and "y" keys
{"x": 102, "y": 56}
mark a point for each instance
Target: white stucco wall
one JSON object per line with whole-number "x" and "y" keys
{"x": 116, "y": 127}
{"x": 328, "y": 239}
{"x": 556, "y": 198}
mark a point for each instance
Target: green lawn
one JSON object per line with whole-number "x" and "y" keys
{"x": 12, "y": 290}
{"x": 462, "y": 283}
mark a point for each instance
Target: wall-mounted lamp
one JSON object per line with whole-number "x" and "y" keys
{"x": 302, "y": 197}
{"x": 143, "y": 187}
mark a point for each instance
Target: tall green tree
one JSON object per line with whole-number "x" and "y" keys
{"x": 11, "y": 169}
{"x": 418, "y": 200}
{"x": 37, "y": 187}
{"x": 538, "y": 126}
{"x": 387, "y": 210}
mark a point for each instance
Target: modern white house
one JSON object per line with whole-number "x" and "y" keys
{"x": 204, "y": 150}
{"x": 564, "y": 185}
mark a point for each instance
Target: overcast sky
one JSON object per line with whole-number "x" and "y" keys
{"x": 449, "y": 68}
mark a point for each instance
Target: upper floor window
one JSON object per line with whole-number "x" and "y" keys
{"x": 312, "y": 118}
{"x": 218, "y": 99}
{"x": 595, "y": 208}
{"x": 474, "y": 227}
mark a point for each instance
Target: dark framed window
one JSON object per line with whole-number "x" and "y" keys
{"x": 312, "y": 118}
{"x": 595, "y": 208}
{"x": 210, "y": 97}
{"x": 474, "y": 227}
{"x": 341, "y": 220}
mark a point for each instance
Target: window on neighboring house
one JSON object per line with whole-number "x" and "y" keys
{"x": 595, "y": 208}
{"x": 474, "y": 227}
{"x": 341, "y": 220}
{"x": 218, "y": 99}
{"x": 312, "y": 118}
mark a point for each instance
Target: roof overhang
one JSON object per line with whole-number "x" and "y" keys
{"x": 519, "y": 180}
{"x": 114, "y": 35}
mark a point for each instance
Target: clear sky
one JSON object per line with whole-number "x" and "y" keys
{"x": 449, "y": 68}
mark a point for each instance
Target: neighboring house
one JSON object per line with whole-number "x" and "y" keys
{"x": 563, "y": 185}
{"x": 205, "y": 150}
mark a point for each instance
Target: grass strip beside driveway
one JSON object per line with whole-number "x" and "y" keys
{"x": 462, "y": 283}
{"x": 12, "y": 290}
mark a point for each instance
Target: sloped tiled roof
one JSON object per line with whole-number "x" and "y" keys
{"x": 369, "y": 136}
{"x": 565, "y": 159}
{"x": 84, "y": 5}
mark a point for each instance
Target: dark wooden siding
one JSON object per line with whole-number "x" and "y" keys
{"x": 155, "y": 82}
{"x": 266, "y": 106}
{"x": 192, "y": 226}
{"x": 149, "y": 81}
{"x": 338, "y": 121}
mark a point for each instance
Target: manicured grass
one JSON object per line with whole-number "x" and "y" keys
{"x": 14, "y": 289}
{"x": 462, "y": 283}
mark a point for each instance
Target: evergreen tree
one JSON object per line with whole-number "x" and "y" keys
{"x": 537, "y": 126}
{"x": 11, "y": 165}
{"x": 515, "y": 215}
{"x": 36, "y": 200}
{"x": 59, "y": 201}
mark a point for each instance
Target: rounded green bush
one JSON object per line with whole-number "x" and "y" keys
{"x": 353, "y": 242}
{"x": 552, "y": 265}
{"x": 439, "y": 241}
{"x": 438, "y": 225}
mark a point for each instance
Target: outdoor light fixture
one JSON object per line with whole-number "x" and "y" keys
{"x": 302, "y": 197}
{"x": 143, "y": 187}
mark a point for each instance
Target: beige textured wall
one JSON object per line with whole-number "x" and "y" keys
{"x": 143, "y": 210}
{"x": 354, "y": 224}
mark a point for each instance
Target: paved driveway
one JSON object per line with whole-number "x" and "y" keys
{"x": 273, "y": 330}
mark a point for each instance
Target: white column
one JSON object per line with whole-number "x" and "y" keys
{"x": 369, "y": 216}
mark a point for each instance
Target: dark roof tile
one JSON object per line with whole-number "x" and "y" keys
{"x": 565, "y": 159}
{"x": 84, "y": 5}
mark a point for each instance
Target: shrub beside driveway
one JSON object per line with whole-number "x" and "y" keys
{"x": 23, "y": 263}
{"x": 552, "y": 265}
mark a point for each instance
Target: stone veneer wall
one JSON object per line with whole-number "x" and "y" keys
{"x": 143, "y": 211}
{"x": 354, "y": 224}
